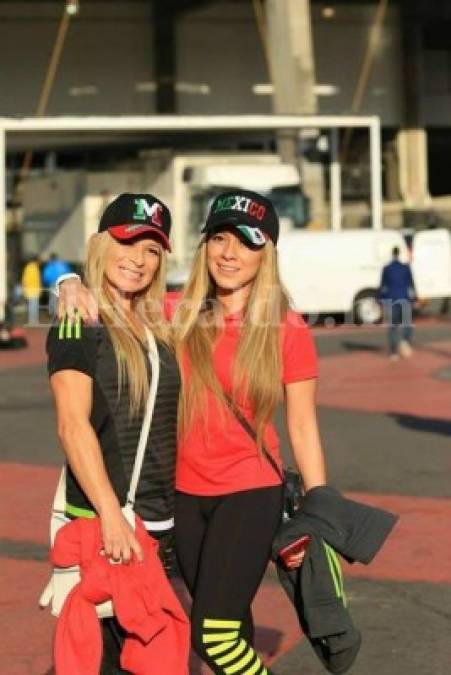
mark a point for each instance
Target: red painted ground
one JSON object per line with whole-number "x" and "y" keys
{"x": 419, "y": 548}
{"x": 32, "y": 355}
{"x": 31, "y": 653}
{"x": 26, "y": 635}
{"x": 373, "y": 383}
{"x": 407, "y": 556}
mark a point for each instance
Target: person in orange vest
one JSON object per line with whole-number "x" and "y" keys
{"x": 31, "y": 288}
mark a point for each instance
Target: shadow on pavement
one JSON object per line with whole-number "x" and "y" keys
{"x": 446, "y": 353}
{"x": 267, "y": 640}
{"x": 361, "y": 346}
{"x": 428, "y": 424}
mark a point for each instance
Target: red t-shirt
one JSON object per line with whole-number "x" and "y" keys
{"x": 217, "y": 455}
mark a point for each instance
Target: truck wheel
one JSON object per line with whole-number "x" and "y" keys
{"x": 367, "y": 309}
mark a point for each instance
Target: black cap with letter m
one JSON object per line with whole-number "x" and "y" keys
{"x": 131, "y": 215}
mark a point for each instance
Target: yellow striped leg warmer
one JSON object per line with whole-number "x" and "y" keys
{"x": 231, "y": 654}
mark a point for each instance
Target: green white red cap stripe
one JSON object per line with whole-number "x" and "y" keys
{"x": 130, "y": 230}
{"x": 253, "y": 234}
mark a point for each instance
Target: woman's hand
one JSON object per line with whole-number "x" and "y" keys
{"x": 73, "y": 295}
{"x": 119, "y": 541}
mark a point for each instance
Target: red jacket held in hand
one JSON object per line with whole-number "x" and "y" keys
{"x": 144, "y": 602}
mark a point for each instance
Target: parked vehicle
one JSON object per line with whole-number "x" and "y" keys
{"x": 332, "y": 272}
{"x": 325, "y": 271}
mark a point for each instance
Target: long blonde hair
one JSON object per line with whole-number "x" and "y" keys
{"x": 257, "y": 369}
{"x": 130, "y": 358}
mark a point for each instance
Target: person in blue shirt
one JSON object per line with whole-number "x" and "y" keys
{"x": 53, "y": 269}
{"x": 397, "y": 294}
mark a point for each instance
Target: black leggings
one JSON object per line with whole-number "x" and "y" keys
{"x": 223, "y": 546}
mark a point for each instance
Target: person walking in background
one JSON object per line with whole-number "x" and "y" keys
{"x": 53, "y": 268}
{"x": 397, "y": 294}
{"x": 31, "y": 288}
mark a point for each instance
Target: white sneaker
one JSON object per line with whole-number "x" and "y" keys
{"x": 394, "y": 357}
{"x": 405, "y": 349}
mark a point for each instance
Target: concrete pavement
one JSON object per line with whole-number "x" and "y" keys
{"x": 386, "y": 428}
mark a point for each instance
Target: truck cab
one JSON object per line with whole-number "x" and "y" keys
{"x": 202, "y": 177}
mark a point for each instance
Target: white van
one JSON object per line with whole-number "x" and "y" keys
{"x": 334, "y": 272}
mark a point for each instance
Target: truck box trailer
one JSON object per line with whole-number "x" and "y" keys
{"x": 332, "y": 272}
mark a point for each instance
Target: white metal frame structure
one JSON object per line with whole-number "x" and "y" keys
{"x": 199, "y": 124}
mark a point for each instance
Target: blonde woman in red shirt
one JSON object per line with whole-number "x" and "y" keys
{"x": 241, "y": 349}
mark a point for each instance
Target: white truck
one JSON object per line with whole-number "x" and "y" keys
{"x": 324, "y": 271}
{"x": 330, "y": 272}
{"x": 69, "y": 203}
{"x": 188, "y": 183}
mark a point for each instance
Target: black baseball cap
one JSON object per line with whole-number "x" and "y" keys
{"x": 250, "y": 213}
{"x": 130, "y": 215}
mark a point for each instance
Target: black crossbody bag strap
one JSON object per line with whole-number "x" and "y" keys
{"x": 247, "y": 427}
